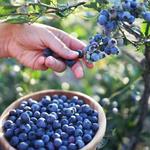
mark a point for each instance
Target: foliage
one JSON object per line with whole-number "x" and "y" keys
{"x": 116, "y": 83}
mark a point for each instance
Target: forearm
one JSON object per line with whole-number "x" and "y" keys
{"x": 4, "y": 39}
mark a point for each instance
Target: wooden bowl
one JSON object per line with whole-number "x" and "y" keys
{"x": 37, "y": 96}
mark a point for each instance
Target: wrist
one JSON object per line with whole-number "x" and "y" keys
{"x": 5, "y": 36}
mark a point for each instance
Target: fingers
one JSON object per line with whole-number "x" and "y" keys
{"x": 70, "y": 41}
{"x": 39, "y": 64}
{"x": 55, "y": 64}
{"x": 54, "y": 43}
{"x": 77, "y": 69}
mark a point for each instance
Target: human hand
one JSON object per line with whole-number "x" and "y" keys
{"x": 27, "y": 42}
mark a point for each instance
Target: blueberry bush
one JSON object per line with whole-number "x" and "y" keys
{"x": 120, "y": 83}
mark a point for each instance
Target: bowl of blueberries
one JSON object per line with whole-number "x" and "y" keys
{"x": 52, "y": 120}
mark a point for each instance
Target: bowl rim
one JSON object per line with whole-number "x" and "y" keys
{"x": 102, "y": 118}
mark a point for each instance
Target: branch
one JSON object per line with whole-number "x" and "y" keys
{"x": 133, "y": 43}
{"x": 143, "y": 107}
{"x": 49, "y": 8}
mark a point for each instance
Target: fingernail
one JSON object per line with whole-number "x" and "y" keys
{"x": 75, "y": 53}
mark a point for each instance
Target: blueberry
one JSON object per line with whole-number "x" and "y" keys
{"x": 71, "y": 139}
{"x": 87, "y": 124}
{"x": 114, "y": 50}
{"x": 64, "y": 135}
{"x": 80, "y": 144}
{"x": 35, "y": 107}
{"x": 40, "y": 132}
{"x": 26, "y": 108}
{"x": 17, "y": 131}
{"x": 19, "y": 122}
{"x": 57, "y": 142}
{"x": 95, "y": 57}
{"x": 63, "y": 148}
{"x": 46, "y": 100}
{"x": 8, "y": 124}
{"x": 64, "y": 121}
{"x": 51, "y": 117}
{"x": 72, "y": 146}
{"x": 38, "y": 143}
{"x": 52, "y": 107}
{"x": 63, "y": 97}
{"x": 93, "y": 119}
{"x": 41, "y": 123}
{"x": 146, "y": 16}
{"x": 33, "y": 119}
{"x": 78, "y": 132}
{"x": 87, "y": 138}
{"x": 56, "y": 124}
{"x": 81, "y": 53}
{"x": 9, "y": 133}
{"x": 25, "y": 117}
{"x": 80, "y": 102}
{"x": 25, "y": 128}
{"x": 44, "y": 115}
{"x": 70, "y": 63}
{"x": 32, "y": 135}
{"x": 22, "y": 146}
{"x": 56, "y": 135}
{"x": 31, "y": 148}
{"x": 29, "y": 113}
{"x": 37, "y": 114}
{"x": 14, "y": 141}
{"x": 12, "y": 118}
{"x": 12, "y": 112}
{"x": 55, "y": 96}
{"x": 105, "y": 13}
{"x": 31, "y": 102}
{"x": 22, "y": 137}
{"x": 45, "y": 138}
{"x": 95, "y": 126}
{"x": 72, "y": 119}
{"x": 43, "y": 109}
{"x": 68, "y": 111}
{"x": 47, "y": 52}
{"x": 59, "y": 131}
{"x": 50, "y": 146}
{"x": 70, "y": 130}
{"x": 65, "y": 142}
{"x": 102, "y": 20}
{"x": 79, "y": 118}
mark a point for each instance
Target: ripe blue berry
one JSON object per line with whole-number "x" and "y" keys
{"x": 63, "y": 148}
{"x": 41, "y": 123}
{"x": 22, "y": 146}
{"x": 80, "y": 144}
{"x": 72, "y": 146}
{"x": 52, "y": 107}
{"x": 14, "y": 141}
{"x": 57, "y": 142}
{"x": 8, "y": 124}
{"x": 25, "y": 117}
{"x": 78, "y": 132}
{"x": 146, "y": 16}
{"x": 87, "y": 138}
{"x": 45, "y": 138}
{"x": 38, "y": 143}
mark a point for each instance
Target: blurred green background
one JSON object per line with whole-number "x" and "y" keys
{"x": 115, "y": 82}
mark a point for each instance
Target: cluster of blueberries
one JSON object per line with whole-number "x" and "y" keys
{"x": 126, "y": 12}
{"x": 53, "y": 123}
{"x": 100, "y": 46}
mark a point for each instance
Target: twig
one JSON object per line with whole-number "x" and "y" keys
{"x": 133, "y": 43}
{"x": 124, "y": 88}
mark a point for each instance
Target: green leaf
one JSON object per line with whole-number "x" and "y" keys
{"x": 17, "y": 19}
{"x": 144, "y": 28}
{"x": 7, "y": 10}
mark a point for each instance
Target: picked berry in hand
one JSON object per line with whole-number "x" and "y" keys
{"x": 55, "y": 123}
